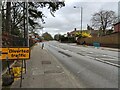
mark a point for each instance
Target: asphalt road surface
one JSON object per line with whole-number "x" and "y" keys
{"x": 94, "y": 68}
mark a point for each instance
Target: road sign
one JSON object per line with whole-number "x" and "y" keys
{"x": 14, "y": 53}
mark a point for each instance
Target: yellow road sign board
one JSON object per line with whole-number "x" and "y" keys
{"x": 14, "y": 53}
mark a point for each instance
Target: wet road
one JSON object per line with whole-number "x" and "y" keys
{"x": 94, "y": 68}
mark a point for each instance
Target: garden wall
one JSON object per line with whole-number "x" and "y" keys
{"x": 107, "y": 41}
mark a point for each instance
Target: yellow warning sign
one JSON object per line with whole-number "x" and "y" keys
{"x": 14, "y": 53}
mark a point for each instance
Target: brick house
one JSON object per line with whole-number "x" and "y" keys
{"x": 117, "y": 27}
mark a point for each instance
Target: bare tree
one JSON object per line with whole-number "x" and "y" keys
{"x": 103, "y": 19}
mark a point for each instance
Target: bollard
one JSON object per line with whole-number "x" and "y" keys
{"x": 42, "y": 45}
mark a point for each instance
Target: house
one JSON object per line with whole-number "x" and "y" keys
{"x": 35, "y": 37}
{"x": 117, "y": 27}
{"x": 94, "y": 33}
{"x": 72, "y": 33}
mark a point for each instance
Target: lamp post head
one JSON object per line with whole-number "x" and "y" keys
{"x": 74, "y": 6}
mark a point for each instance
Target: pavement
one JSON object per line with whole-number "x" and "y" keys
{"x": 102, "y": 48}
{"x": 45, "y": 71}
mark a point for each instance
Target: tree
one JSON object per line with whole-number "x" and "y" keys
{"x": 14, "y": 15}
{"x": 82, "y": 35}
{"x": 16, "y": 11}
{"x": 89, "y": 27}
{"x": 0, "y": 25}
{"x": 8, "y": 17}
{"x": 35, "y": 13}
{"x": 47, "y": 36}
{"x": 57, "y": 37}
{"x": 103, "y": 19}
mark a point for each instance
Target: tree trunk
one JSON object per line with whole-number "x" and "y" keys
{"x": 8, "y": 17}
{"x": 3, "y": 19}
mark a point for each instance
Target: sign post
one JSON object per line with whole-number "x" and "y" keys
{"x": 21, "y": 74}
{"x": 17, "y": 53}
{"x": 8, "y": 64}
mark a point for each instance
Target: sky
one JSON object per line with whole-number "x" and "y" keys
{"x": 67, "y": 18}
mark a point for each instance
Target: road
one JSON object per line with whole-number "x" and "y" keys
{"x": 94, "y": 68}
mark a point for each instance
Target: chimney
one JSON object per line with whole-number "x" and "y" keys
{"x": 74, "y": 29}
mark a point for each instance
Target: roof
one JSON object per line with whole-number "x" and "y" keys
{"x": 92, "y": 31}
{"x": 117, "y": 23}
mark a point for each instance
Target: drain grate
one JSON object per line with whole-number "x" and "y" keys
{"x": 46, "y": 62}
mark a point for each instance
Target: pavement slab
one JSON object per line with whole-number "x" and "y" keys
{"x": 45, "y": 71}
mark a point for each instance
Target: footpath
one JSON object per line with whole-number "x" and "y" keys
{"x": 45, "y": 71}
{"x": 102, "y": 48}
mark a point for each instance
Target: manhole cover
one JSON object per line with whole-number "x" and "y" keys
{"x": 46, "y": 62}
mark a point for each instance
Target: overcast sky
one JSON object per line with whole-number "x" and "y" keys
{"x": 67, "y": 18}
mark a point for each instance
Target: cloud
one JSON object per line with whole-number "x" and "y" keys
{"x": 71, "y": 1}
{"x": 67, "y": 18}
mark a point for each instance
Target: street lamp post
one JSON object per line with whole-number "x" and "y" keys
{"x": 81, "y": 13}
{"x": 81, "y": 18}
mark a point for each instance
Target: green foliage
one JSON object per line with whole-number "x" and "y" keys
{"x": 47, "y": 36}
{"x": 34, "y": 13}
{"x": 14, "y": 16}
{"x": 57, "y": 37}
{"x": 18, "y": 12}
{"x": 32, "y": 23}
{"x": 68, "y": 39}
{"x": 109, "y": 32}
{"x": 16, "y": 32}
